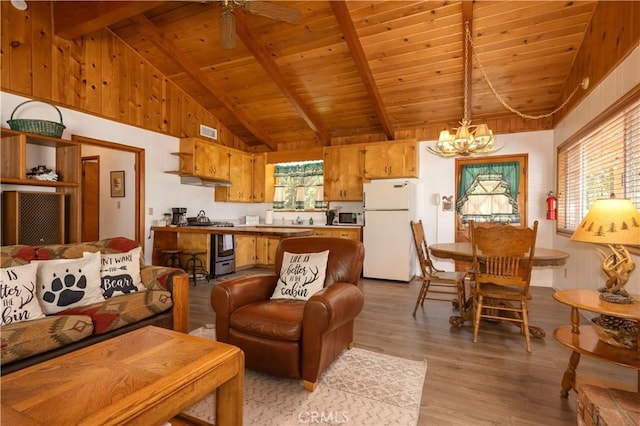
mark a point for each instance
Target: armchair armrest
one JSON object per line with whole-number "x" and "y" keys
{"x": 176, "y": 281}
{"x": 332, "y": 307}
{"x": 230, "y": 295}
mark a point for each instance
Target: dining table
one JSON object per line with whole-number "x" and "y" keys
{"x": 463, "y": 251}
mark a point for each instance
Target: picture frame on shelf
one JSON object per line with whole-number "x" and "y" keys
{"x": 117, "y": 183}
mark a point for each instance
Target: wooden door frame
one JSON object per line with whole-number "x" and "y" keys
{"x": 523, "y": 159}
{"x": 139, "y": 172}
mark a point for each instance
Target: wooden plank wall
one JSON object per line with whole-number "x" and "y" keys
{"x": 100, "y": 75}
{"x": 97, "y": 74}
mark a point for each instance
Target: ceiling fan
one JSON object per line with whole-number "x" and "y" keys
{"x": 253, "y": 7}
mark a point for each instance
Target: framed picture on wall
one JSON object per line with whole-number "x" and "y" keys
{"x": 117, "y": 183}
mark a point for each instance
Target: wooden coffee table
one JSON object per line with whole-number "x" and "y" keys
{"x": 145, "y": 377}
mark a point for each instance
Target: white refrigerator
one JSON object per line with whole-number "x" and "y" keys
{"x": 389, "y": 251}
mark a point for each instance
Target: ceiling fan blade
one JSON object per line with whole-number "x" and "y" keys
{"x": 273, "y": 11}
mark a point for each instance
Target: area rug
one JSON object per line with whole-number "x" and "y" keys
{"x": 360, "y": 388}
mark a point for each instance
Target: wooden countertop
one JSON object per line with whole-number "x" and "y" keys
{"x": 237, "y": 230}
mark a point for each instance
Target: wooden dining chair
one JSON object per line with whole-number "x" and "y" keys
{"x": 502, "y": 263}
{"x": 436, "y": 282}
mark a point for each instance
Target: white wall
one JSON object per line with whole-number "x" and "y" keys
{"x": 115, "y": 213}
{"x": 583, "y": 265}
{"x": 438, "y": 176}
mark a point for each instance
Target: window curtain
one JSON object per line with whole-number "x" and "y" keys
{"x": 472, "y": 175}
{"x": 296, "y": 184}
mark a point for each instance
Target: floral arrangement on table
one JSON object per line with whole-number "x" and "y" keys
{"x": 41, "y": 172}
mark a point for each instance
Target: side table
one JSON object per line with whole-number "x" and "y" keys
{"x": 584, "y": 340}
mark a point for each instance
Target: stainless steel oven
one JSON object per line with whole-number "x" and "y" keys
{"x": 223, "y": 252}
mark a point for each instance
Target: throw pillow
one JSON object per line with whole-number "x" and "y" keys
{"x": 302, "y": 275}
{"x": 18, "y": 294}
{"x": 120, "y": 273}
{"x": 65, "y": 283}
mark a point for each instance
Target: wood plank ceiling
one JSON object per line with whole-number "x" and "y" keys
{"x": 349, "y": 68}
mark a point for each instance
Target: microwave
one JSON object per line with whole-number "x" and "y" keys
{"x": 348, "y": 218}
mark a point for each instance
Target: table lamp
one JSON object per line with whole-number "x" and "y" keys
{"x": 615, "y": 222}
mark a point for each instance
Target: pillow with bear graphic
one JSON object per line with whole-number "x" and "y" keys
{"x": 18, "y": 294}
{"x": 302, "y": 275}
{"x": 120, "y": 273}
{"x": 67, "y": 283}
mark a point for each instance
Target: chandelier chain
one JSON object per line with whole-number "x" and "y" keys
{"x": 465, "y": 119}
{"x": 497, "y": 95}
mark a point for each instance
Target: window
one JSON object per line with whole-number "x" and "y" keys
{"x": 604, "y": 161}
{"x": 490, "y": 189}
{"x": 299, "y": 185}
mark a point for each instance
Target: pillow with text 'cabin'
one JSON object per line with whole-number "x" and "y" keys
{"x": 302, "y": 275}
{"x": 18, "y": 294}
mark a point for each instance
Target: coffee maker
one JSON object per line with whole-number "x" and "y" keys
{"x": 331, "y": 214}
{"x": 179, "y": 216}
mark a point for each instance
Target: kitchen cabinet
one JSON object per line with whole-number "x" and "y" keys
{"x": 241, "y": 176}
{"x": 259, "y": 177}
{"x": 348, "y": 233}
{"x": 16, "y": 152}
{"x": 266, "y": 250}
{"x": 343, "y": 173}
{"x": 392, "y": 159}
{"x": 204, "y": 159}
{"x": 245, "y": 251}
{"x": 263, "y": 179}
{"x": 249, "y": 176}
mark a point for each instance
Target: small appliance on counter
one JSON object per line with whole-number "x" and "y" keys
{"x": 179, "y": 216}
{"x": 200, "y": 220}
{"x": 252, "y": 220}
{"x": 331, "y": 215}
{"x": 348, "y": 218}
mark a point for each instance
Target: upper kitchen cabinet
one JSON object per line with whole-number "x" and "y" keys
{"x": 392, "y": 159}
{"x": 249, "y": 179}
{"x": 263, "y": 179}
{"x": 241, "y": 176}
{"x": 204, "y": 159}
{"x": 343, "y": 173}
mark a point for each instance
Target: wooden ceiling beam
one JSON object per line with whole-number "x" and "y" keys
{"x": 264, "y": 58}
{"x": 342, "y": 15}
{"x": 72, "y": 19}
{"x": 190, "y": 67}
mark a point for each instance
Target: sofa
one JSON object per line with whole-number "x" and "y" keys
{"x": 60, "y": 321}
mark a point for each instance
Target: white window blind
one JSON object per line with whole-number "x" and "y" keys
{"x": 605, "y": 161}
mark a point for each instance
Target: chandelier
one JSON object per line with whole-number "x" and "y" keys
{"x": 468, "y": 139}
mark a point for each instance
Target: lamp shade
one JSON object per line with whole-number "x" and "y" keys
{"x": 610, "y": 221}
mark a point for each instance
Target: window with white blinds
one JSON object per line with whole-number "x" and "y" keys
{"x": 605, "y": 161}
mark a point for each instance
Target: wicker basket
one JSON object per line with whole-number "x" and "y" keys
{"x": 618, "y": 338}
{"x": 40, "y": 127}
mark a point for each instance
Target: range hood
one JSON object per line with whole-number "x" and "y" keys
{"x": 198, "y": 181}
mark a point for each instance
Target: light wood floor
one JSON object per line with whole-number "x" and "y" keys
{"x": 492, "y": 382}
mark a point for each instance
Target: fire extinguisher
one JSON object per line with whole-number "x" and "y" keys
{"x": 552, "y": 206}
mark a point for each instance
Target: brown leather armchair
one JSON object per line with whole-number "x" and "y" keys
{"x": 293, "y": 338}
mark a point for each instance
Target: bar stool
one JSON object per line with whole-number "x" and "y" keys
{"x": 172, "y": 258}
{"x": 195, "y": 264}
